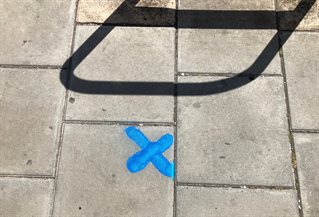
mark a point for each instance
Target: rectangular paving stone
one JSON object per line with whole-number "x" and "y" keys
{"x": 225, "y": 42}
{"x": 227, "y": 5}
{"x": 232, "y": 14}
{"x": 31, "y": 102}
{"x": 224, "y": 51}
{"x": 307, "y": 148}
{"x": 301, "y": 54}
{"x": 127, "y": 54}
{"x": 25, "y": 197}
{"x": 36, "y": 32}
{"x": 142, "y": 12}
{"x": 203, "y": 202}
{"x": 287, "y": 22}
{"x": 235, "y": 137}
{"x": 93, "y": 179}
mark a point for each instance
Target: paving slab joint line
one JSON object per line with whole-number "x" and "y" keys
{"x": 175, "y": 108}
{"x": 291, "y": 138}
{"x": 64, "y": 109}
{"x": 223, "y": 74}
{"x": 305, "y": 130}
{"x": 22, "y": 66}
{"x": 26, "y": 176}
{"x": 122, "y": 25}
{"x": 302, "y": 30}
{"x": 237, "y": 186}
{"x": 57, "y": 163}
{"x": 120, "y": 123}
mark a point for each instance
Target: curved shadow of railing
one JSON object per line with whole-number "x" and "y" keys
{"x": 187, "y": 19}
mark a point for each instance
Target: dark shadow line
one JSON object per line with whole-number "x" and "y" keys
{"x": 202, "y": 19}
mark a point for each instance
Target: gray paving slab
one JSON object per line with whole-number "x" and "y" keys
{"x": 307, "y": 149}
{"x": 142, "y": 12}
{"x": 126, "y": 54}
{"x": 205, "y": 202}
{"x": 227, "y": 5}
{"x": 223, "y": 51}
{"x": 222, "y": 14}
{"x": 31, "y": 102}
{"x": 93, "y": 179}
{"x": 236, "y": 137}
{"x": 36, "y": 32}
{"x": 25, "y": 197}
{"x": 301, "y": 54}
{"x": 309, "y": 22}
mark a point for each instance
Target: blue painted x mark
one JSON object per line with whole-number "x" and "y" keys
{"x": 151, "y": 152}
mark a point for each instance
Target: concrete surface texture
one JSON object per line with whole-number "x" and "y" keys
{"x": 245, "y": 144}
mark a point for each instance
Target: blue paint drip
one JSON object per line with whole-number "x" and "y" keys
{"x": 151, "y": 152}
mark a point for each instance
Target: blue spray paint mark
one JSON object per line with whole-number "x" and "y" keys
{"x": 151, "y": 152}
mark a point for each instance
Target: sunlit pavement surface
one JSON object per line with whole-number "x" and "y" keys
{"x": 247, "y": 151}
